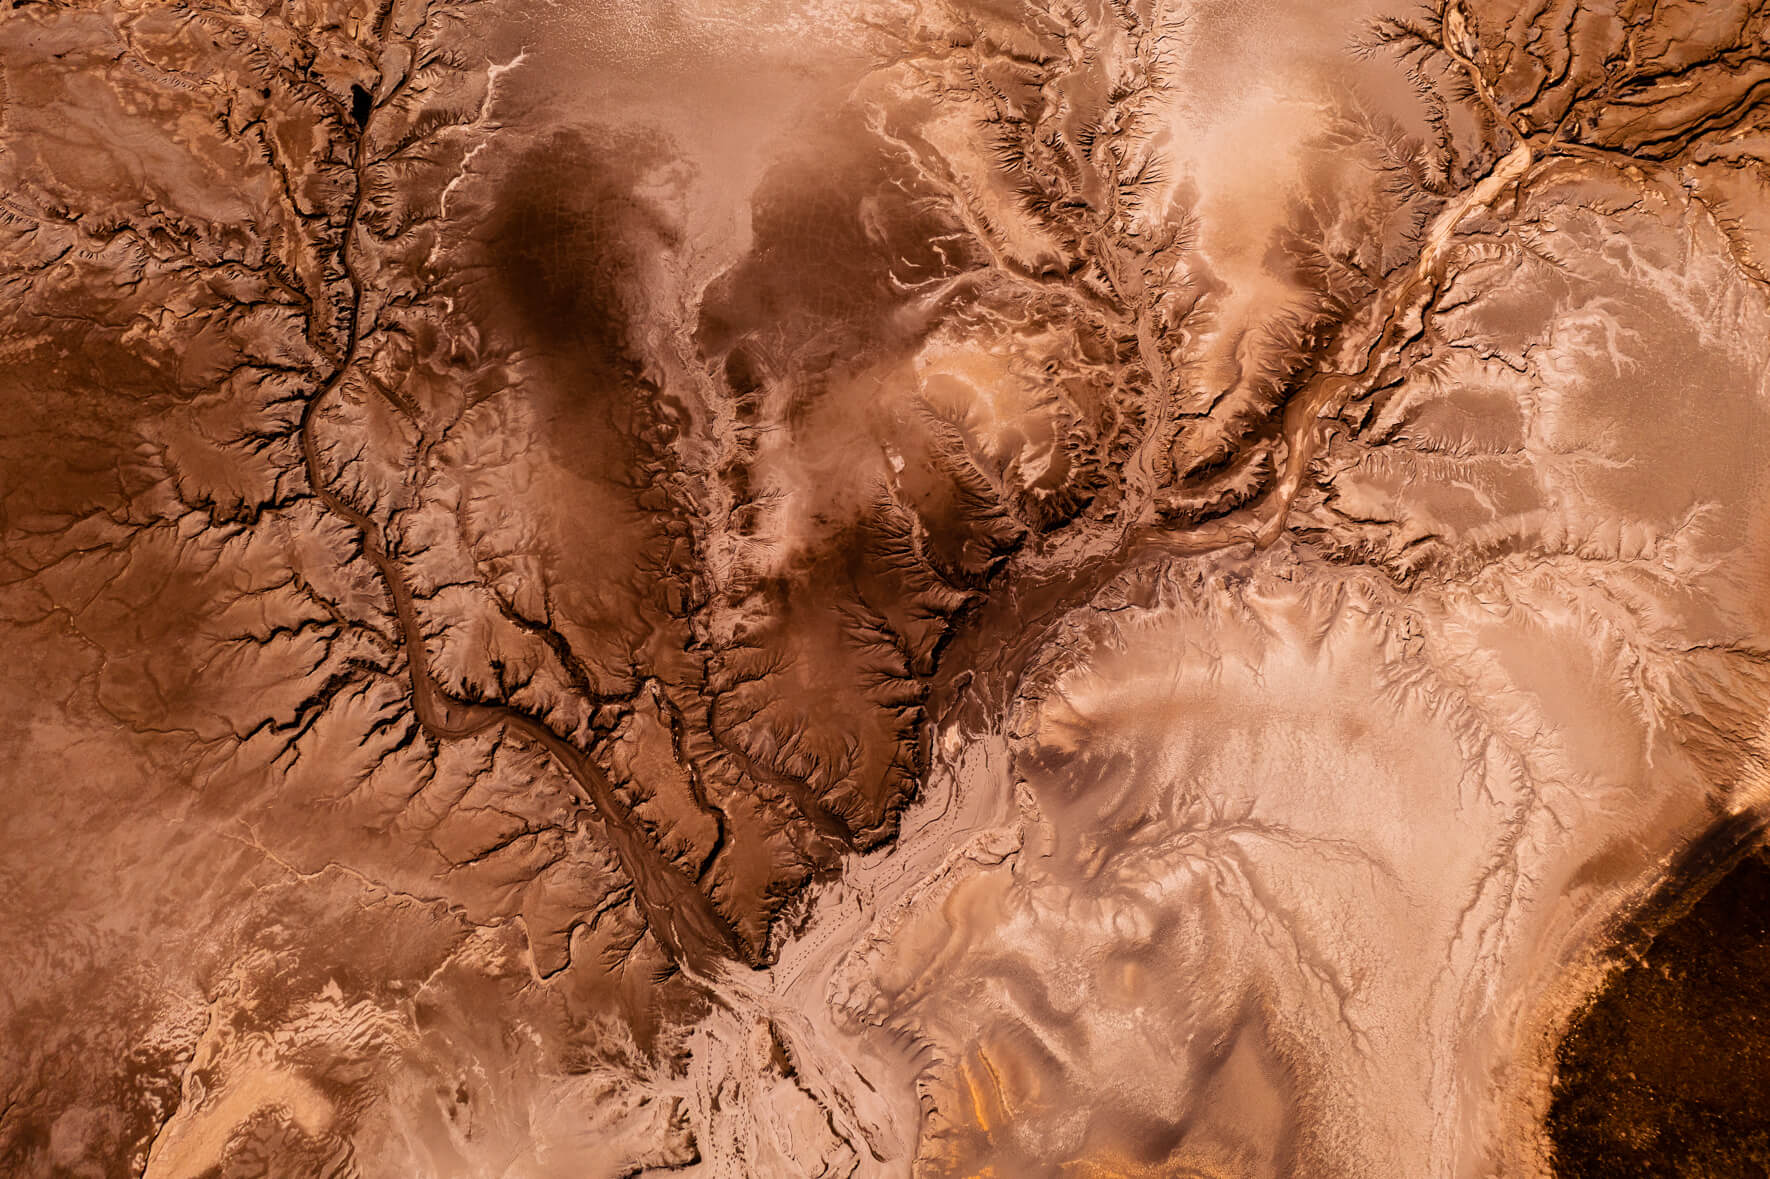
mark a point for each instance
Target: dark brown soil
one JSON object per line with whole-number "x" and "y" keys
{"x": 1668, "y": 1071}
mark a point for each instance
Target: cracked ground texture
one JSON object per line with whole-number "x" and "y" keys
{"x": 780, "y": 588}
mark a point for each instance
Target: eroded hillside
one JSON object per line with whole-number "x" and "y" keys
{"x": 1111, "y": 587}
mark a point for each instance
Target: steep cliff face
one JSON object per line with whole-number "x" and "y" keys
{"x": 961, "y": 588}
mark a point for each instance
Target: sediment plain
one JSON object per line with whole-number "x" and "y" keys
{"x": 780, "y": 588}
